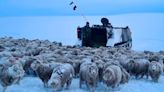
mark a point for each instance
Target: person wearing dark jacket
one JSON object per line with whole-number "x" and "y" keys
{"x": 86, "y": 35}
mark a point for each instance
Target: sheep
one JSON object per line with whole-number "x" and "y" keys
{"x": 121, "y": 63}
{"x": 100, "y": 65}
{"x": 5, "y": 79}
{"x": 131, "y": 66}
{"x": 88, "y": 74}
{"x": 138, "y": 67}
{"x": 53, "y": 54}
{"x": 125, "y": 76}
{"x": 61, "y": 75}
{"x": 76, "y": 65}
{"x": 162, "y": 65}
{"x": 161, "y": 61}
{"x": 155, "y": 70}
{"x": 17, "y": 54}
{"x": 153, "y": 58}
{"x": 112, "y": 76}
{"x": 123, "y": 60}
{"x": 16, "y": 71}
{"x": 34, "y": 51}
{"x": 43, "y": 71}
{"x": 10, "y": 75}
{"x": 26, "y": 62}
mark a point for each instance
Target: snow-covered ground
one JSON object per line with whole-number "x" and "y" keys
{"x": 147, "y": 34}
{"x": 34, "y": 84}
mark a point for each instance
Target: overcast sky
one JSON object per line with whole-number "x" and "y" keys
{"x": 87, "y": 7}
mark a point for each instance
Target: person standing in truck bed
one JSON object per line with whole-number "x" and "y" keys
{"x": 86, "y": 35}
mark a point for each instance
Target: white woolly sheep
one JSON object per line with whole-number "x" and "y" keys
{"x": 89, "y": 75}
{"x": 10, "y": 75}
{"x": 61, "y": 75}
{"x": 155, "y": 70}
{"x": 112, "y": 76}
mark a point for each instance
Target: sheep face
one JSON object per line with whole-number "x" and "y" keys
{"x": 54, "y": 83}
{"x": 131, "y": 65}
{"x": 112, "y": 76}
{"x": 35, "y": 65}
{"x": 108, "y": 74}
{"x": 155, "y": 70}
{"x": 93, "y": 71}
{"x": 154, "y": 67}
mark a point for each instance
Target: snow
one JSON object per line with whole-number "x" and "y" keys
{"x": 34, "y": 84}
{"x": 116, "y": 38}
{"x": 147, "y": 29}
{"x": 147, "y": 34}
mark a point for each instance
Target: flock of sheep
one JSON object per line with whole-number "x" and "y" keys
{"x": 57, "y": 65}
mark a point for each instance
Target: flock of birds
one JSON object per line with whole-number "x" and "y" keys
{"x": 56, "y": 65}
